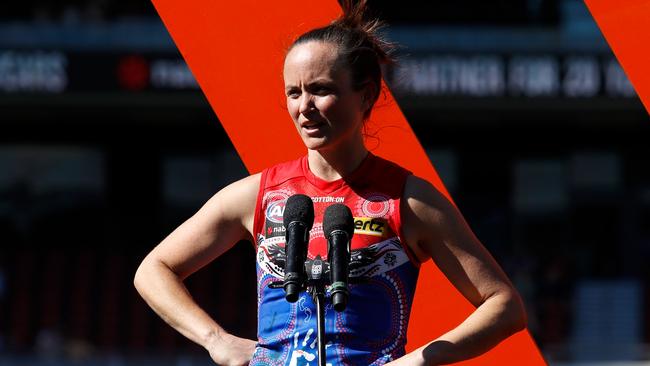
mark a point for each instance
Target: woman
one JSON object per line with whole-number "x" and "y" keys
{"x": 332, "y": 80}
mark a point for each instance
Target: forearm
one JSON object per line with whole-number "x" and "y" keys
{"x": 492, "y": 322}
{"x": 166, "y": 294}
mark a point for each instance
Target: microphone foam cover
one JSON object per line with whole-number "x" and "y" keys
{"x": 299, "y": 208}
{"x": 338, "y": 217}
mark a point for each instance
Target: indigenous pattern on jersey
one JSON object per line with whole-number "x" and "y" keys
{"x": 372, "y": 328}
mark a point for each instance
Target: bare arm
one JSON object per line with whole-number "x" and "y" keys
{"x": 434, "y": 228}
{"x": 224, "y": 220}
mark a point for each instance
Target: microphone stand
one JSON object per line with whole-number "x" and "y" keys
{"x": 316, "y": 287}
{"x": 317, "y": 292}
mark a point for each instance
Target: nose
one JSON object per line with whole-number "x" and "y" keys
{"x": 306, "y": 103}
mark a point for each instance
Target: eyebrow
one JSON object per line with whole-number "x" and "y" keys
{"x": 290, "y": 87}
{"x": 318, "y": 81}
{"x": 322, "y": 79}
{"x": 330, "y": 83}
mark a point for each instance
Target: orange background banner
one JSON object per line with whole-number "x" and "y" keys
{"x": 235, "y": 51}
{"x": 625, "y": 27}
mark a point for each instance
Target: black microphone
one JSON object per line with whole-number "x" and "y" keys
{"x": 338, "y": 226}
{"x": 298, "y": 219}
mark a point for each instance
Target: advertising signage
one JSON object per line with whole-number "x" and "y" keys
{"x": 476, "y": 75}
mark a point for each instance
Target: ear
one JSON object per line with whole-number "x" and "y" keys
{"x": 369, "y": 96}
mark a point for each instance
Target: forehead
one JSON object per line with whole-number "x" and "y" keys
{"x": 311, "y": 60}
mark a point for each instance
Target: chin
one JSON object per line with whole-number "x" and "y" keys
{"x": 312, "y": 143}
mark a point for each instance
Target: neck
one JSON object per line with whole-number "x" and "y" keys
{"x": 336, "y": 163}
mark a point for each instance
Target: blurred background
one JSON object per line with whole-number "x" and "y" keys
{"x": 107, "y": 144}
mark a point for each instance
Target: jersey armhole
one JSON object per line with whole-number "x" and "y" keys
{"x": 400, "y": 232}
{"x": 258, "y": 207}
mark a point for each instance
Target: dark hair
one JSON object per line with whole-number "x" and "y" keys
{"x": 360, "y": 48}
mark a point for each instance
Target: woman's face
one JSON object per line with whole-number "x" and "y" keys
{"x": 325, "y": 109}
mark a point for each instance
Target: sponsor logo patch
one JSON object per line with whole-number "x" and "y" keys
{"x": 370, "y": 226}
{"x": 275, "y": 211}
{"x": 328, "y": 199}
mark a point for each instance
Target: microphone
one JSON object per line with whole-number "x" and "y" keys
{"x": 338, "y": 226}
{"x": 298, "y": 218}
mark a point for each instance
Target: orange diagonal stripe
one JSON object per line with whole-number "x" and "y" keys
{"x": 626, "y": 27}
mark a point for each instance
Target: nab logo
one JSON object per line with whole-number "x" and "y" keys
{"x": 273, "y": 230}
{"x": 275, "y": 211}
{"x": 369, "y": 226}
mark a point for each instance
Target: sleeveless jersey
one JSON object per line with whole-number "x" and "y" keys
{"x": 372, "y": 328}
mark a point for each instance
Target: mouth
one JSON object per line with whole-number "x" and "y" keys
{"x": 311, "y": 125}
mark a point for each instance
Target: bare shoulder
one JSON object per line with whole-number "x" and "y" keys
{"x": 236, "y": 202}
{"x": 239, "y": 195}
{"x": 245, "y": 186}
{"x": 226, "y": 218}
{"x": 424, "y": 210}
{"x": 421, "y": 196}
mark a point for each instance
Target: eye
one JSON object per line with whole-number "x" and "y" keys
{"x": 322, "y": 90}
{"x": 293, "y": 93}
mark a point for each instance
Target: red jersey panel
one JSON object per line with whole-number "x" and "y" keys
{"x": 372, "y": 329}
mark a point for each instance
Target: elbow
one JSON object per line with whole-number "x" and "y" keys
{"x": 152, "y": 273}
{"x": 523, "y": 323}
{"x": 517, "y": 317}
{"x": 138, "y": 280}
{"x": 141, "y": 277}
{"x": 511, "y": 314}
{"x": 520, "y": 322}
